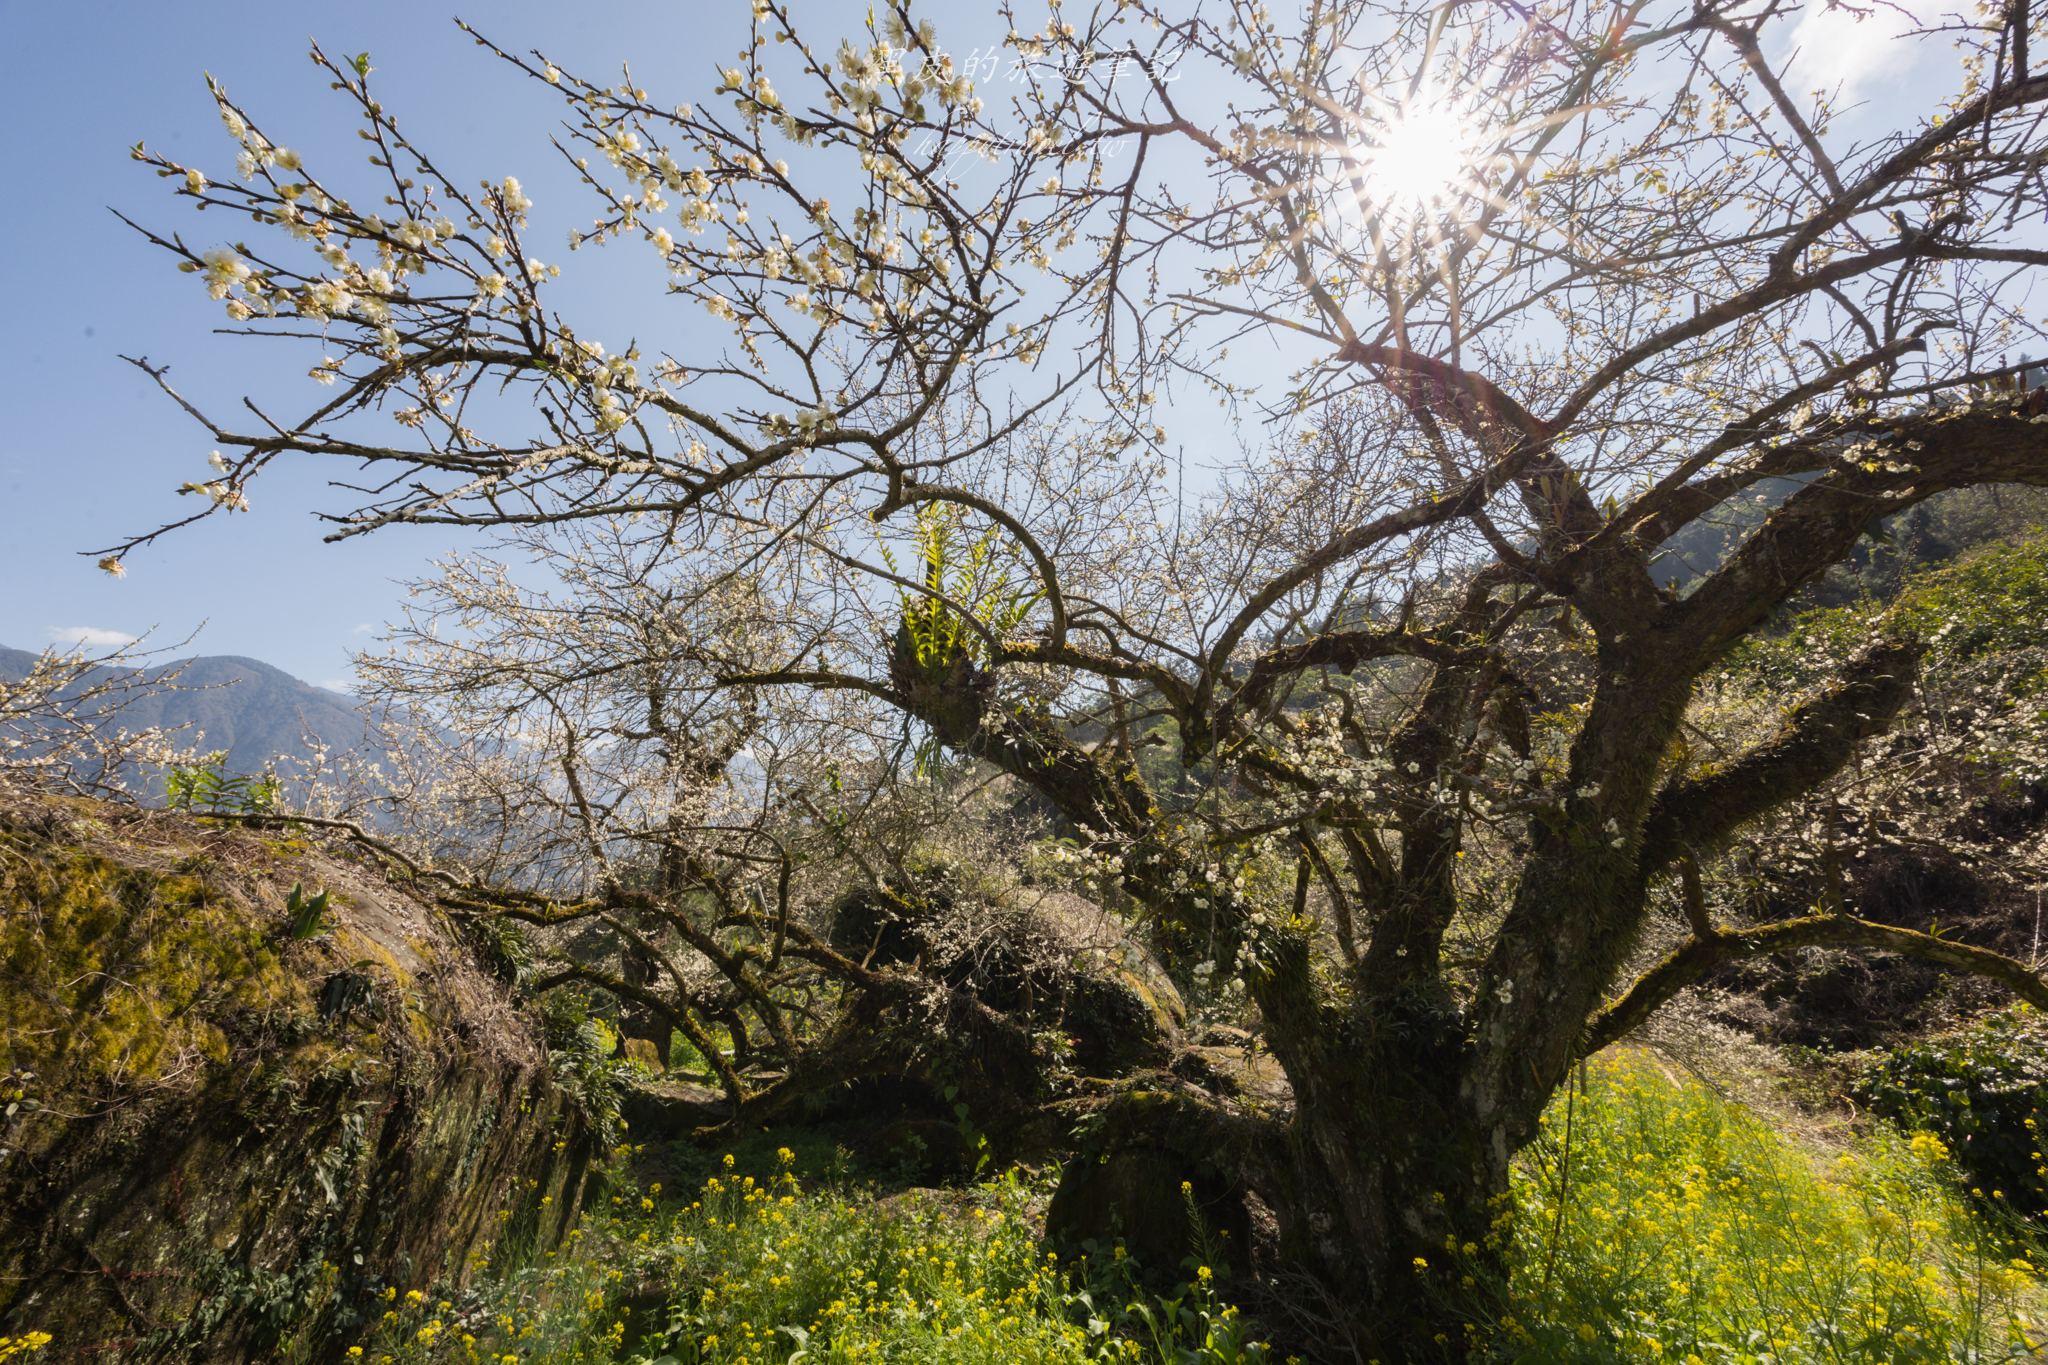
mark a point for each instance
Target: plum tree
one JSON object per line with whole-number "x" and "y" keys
{"x": 1465, "y": 311}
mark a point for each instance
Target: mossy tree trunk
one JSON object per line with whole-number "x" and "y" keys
{"x": 1415, "y": 1083}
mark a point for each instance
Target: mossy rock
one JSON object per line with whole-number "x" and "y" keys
{"x": 1053, "y": 959}
{"x": 645, "y": 1053}
{"x": 224, "y": 1137}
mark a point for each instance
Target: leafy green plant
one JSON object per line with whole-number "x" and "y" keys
{"x": 975, "y": 1140}
{"x": 581, "y": 1048}
{"x": 502, "y": 946}
{"x": 970, "y": 595}
{"x": 207, "y": 787}
{"x": 975, "y": 574}
{"x": 1984, "y": 1093}
{"x": 1193, "y": 1324}
{"x": 305, "y": 916}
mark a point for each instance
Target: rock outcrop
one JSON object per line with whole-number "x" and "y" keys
{"x": 235, "y": 1113}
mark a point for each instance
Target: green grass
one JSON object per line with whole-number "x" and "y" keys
{"x": 1672, "y": 1224}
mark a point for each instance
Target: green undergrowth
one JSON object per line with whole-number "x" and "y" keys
{"x": 1655, "y": 1220}
{"x": 1983, "y": 1090}
{"x": 746, "y": 1269}
{"x": 1985, "y": 606}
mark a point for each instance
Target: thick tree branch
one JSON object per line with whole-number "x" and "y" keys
{"x": 1883, "y": 468}
{"x": 1816, "y": 740}
{"x": 1475, "y": 402}
{"x": 354, "y": 832}
{"x": 1689, "y": 964}
{"x": 1342, "y": 650}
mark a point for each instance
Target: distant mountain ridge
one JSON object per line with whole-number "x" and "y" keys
{"x": 256, "y": 712}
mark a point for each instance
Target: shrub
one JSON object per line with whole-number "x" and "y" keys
{"x": 581, "y": 1048}
{"x": 1654, "y": 1220}
{"x": 1984, "y": 1093}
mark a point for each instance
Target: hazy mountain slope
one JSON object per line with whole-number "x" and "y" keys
{"x": 252, "y": 710}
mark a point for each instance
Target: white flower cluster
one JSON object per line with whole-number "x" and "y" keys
{"x": 223, "y": 493}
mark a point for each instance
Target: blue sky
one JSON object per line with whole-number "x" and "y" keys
{"x": 90, "y": 452}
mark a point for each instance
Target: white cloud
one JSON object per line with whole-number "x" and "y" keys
{"x": 91, "y": 636}
{"x": 1837, "y": 47}
{"x": 337, "y": 684}
{"x": 364, "y": 629}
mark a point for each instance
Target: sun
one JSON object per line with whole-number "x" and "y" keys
{"x": 1413, "y": 162}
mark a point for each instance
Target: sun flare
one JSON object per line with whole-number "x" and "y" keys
{"x": 1410, "y": 162}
